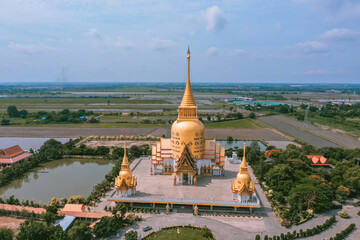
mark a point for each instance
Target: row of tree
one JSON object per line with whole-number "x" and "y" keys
{"x": 290, "y": 179}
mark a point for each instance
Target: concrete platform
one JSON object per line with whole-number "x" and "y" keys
{"x": 211, "y": 190}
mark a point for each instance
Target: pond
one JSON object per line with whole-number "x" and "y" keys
{"x": 59, "y": 178}
{"x": 26, "y": 143}
{"x": 240, "y": 144}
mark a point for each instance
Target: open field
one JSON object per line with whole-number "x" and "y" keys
{"x": 244, "y": 123}
{"x": 313, "y": 135}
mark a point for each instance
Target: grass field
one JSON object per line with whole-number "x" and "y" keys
{"x": 79, "y": 100}
{"x": 243, "y": 123}
{"x": 349, "y": 126}
{"x": 173, "y": 234}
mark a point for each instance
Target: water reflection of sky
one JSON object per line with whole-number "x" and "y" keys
{"x": 26, "y": 143}
{"x": 59, "y": 178}
{"x": 240, "y": 144}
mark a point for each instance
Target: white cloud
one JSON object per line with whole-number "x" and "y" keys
{"x": 119, "y": 42}
{"x": 93, "y": 32}
{"x": 212, "y": 51}
{"x": 160, "y": 44}
{"x": 316, "y": 72}
{"x": 312, "y": 47}
{"x": 30, "y": 48}
{"x": 215, "y": 19}
{"x": 237, "y": 52}
{"x": 340, "y": 34}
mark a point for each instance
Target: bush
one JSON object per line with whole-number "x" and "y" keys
{"x": 344, "y": 233}
{"x": 6, "y": 234}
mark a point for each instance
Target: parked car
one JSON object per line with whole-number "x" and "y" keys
{"x": 147, "y": 228}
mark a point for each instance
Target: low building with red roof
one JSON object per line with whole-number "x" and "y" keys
{"x": 12, "y": 155}
{"x": 269, "y": 152}
{"x": 318, "y": 160}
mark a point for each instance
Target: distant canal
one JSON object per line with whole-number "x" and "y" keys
{"x": 59, "y": 178}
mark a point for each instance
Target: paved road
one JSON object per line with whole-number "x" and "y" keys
{"x": 288, "y": 128}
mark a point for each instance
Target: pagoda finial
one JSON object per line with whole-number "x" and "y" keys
{"x": 243, "y": 165}
{"x": 125, "y": 161}
{"x": 188, "y": 98}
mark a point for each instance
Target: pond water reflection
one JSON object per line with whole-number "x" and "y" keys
{"x": 59, "y": 178}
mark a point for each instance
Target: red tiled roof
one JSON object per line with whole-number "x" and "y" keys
{"x": 86, "y": 214}
{"x": 318, "y": 160}
{"x": 11, "y": 151}
{"x": 268, "y": 152}
{"x": 11, "y": 160}
{"x": 74, "y": 208}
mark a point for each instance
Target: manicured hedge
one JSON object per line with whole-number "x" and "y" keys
{"x": 303, "y": 234}
{"x": 344, "y": 233}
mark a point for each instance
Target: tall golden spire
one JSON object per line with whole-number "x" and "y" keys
{"x": 188, "y": 98}
{"x": 243, "y": 165}
{"x": 125, "y": 163}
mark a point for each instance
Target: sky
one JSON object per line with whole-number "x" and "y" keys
{"x": 234, "y": 41}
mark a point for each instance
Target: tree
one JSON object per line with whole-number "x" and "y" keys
{"x": 229, "y": 139}
{"x": 6, "y": 234}
{"x": 135, "y": 151}
{"x": 12, "y": 111}
{"x": 280, "y": 178}
{"x": 131, "y": 235}
{"x": 252, "y": 115}
{"x": 49, "y": 218}
{"x": 80, "y": 231}
{"x": 352, "y": 179}
{"x": 32, "y": 230}
{"x": 5, "y": 122}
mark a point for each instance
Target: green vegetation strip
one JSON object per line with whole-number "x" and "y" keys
{"x": 181, "y": 233}
{"x": 78, "y": 100}
{"x": 344, "y": 233}
{"x": 302, "y": 234}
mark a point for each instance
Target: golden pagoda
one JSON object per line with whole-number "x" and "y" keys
{"x": 242, "y": 187}
{"x": 125, "y": 182}
{"x": 187, "y": 155}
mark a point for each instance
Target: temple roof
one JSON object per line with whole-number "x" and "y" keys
{"x": 11, "y": 151}
{"x": 186, "y": 158}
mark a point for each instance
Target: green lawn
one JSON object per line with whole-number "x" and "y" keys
{"x": 243, "y": 123}
{"x": 351, "y": 126}
{"x": 80, "y": 100}
{"x": 172, "y": 234}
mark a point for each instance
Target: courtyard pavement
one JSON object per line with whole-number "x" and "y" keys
{"x": 240, "y": 227}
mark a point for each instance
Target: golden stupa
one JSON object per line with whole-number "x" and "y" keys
{"x": 188, "y": 129}
{"x": 125, "y": 182}
{"x": 187, "y": 155}
{"x": 242, "y": 187}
